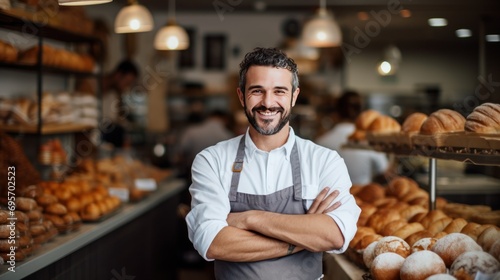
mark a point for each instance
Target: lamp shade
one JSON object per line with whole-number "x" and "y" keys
{"x": 82, "y": 2}
{"x": 322, "y": 31}
{"x": 171, "y": 37}
{"x": 133, "y": 18}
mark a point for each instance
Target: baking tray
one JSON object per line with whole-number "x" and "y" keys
{"x": 394, "y": 142}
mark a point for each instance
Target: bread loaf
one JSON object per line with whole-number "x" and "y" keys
{"x": 488, "y": 237}
{"x": 413, "y": 122}
{"x": 368, "y": 254}
{"x": 431, "y": 217}
{"x": 365, "y": 119}
{"x": 393, "y": 226}
{"x": 408, "y": 230}
{"x": 425, "y": 243}
{"x": 453, "y": 245}
{"x": 371, "y": 192}
{"x": 411, "y": 211}
{"x": 392, "y": 244}
{"x": 400, "y": 186}
{"x": 416, "y": 236}
{"x": 455, "y": 226}
{"x": 485, "y": 118}
{"x": 386, "y": 266}
{"x": 439, "y": 225}
{"x": 384, "y": 124}
{"x": 468, "y": 264}
{"x": 422, "y": 264}
{"x": 379, "y": 219}
{"x": 441, "y": 121}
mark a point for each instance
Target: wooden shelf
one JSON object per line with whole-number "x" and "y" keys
{"x": 45, "y": 69}
{"x": 46, "y": 129}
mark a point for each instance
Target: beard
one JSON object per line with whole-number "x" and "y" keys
{"x": 267, "y": 128}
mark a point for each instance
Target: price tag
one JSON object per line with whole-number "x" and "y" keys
{"x": 145, "y": 184}
{"x": 122, "y": 193}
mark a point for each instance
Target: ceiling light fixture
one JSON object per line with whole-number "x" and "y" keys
{"x": 437, "y": 22}
{"x": 390, "y": 62}
{"x": 133, "y": 18}
{"x": 171, "y": 36}
{"x": 493, "y": 38}
{"x": 463, "y": 33}
{"x": 322, "y": 31}
{"x": 82, "y": 2}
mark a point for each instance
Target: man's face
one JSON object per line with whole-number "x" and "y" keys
{"x": 268, "y": 98}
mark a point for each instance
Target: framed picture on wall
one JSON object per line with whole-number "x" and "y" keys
{"x": 214, "y": 52}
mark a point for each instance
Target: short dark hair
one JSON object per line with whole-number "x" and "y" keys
{"x": 126, "y": 67}
{"x": 268, "y": 57}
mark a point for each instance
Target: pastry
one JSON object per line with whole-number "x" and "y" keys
{"x": 365, "y": 119}
{"x": 442, "y": 121}
{"x": 413, "y": 122}
{"x": 384, "y": 124}
{"x": 485, "y": 118}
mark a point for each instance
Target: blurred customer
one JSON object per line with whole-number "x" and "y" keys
{"x": 115, "y": 114}
{"x": 363, "y": 165}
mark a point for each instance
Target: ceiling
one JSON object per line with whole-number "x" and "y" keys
{"x": 459, "y": 13}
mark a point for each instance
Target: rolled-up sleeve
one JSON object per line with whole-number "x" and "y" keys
{"x": 209, "y": 204}
{"x": 346, "y": 218}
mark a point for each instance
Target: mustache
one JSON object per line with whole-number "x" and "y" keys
{"x": 264, "y": 108}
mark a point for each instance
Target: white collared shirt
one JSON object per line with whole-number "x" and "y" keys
{"x": 264, "y": 173}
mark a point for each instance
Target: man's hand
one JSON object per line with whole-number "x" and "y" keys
{"x": 323, "y": 200}
{"x": 237, "y": 219}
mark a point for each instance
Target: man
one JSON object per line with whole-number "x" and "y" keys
{"x": 364, "y": 166}
{"x": 114, "y": 112}
{"x": 266, "y": 204}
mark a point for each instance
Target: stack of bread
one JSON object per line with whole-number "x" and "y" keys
{"x": 399, "y": 238}
{"x": 58, "y": 58}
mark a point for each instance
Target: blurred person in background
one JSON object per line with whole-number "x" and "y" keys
{"x": 363, "y": 165}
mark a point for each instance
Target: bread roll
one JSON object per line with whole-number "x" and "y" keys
{"x": 386, "y": 266}
{"x": 440, "y": 234}
{"x": 384, "y": 124}
{"x": 367, "y": 240}
{"x": 491, "y": 217}
{"x": 418, "y": 218}
{"x": 468, "y": 264}
{"x": 56, "y": 209}
{"x": 400, "y": 186}
{"x": 441, "y": 276}
{"x": 442, "y": 121}
{"x": 455, "y": 226}
{"x": 369, "y": 254}
{"x": 485, "y": 118}
{"x": 416, "y": 236}
{"x": 422, "y": 264}
{"x": 408, "y": 230}
{"x": 392, "y": 244}
{"x": 425, "y": 243}
{"x": 488, "y": 237}
{"x": 453, "y": 245}
{"x": 495, "y": 249}
{"x": 365, "y": 119}
{"x": 25, "y": 204}
{"x": 379, "y": 219}
{"x": 366, "y": 211}
{"x": 460, "y": 210}
{"x": 371, "y": 192}
{"x": 431, "y": 217}
{"x": 4, "y": 216}
{"x": 439, "y": 225}
{"x": 413, "y": 122}
{"x": 385, "y": 202}
{"x": 393, "y": 226}
{"x": 411, "y": 211}
{"x": 362, "y": 231}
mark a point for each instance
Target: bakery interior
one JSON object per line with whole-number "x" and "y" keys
{"x": 89, "y": 230}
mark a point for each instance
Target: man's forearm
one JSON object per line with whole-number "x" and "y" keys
{"x": 238, "y": 245}
{"x": 297, "y": 229}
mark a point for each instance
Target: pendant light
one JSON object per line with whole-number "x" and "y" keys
{"x": 171, "y": 36}
{"x": 322, "y": 31}
{"x": 82, "y": 2}
{"x": 133, "y": 18}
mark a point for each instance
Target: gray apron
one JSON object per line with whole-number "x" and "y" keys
{"x": 301, "y": 265}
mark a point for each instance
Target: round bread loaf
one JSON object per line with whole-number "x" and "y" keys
{"x": 386, "y": 266}
{"x": 469, "y": 263}
{"x": 441, "y": 121}
{"x": 400, "y": 186}
{"x": 453, "y": 245}
{"x": 485, "y": 118}
{"x": 422, "y": 264}
{"x": 495, "y": 249}
{"x": 488, "y": 237}
{"x": 441, "y": 276}
{"x": 369, "y": 254}
{"x": 391, "y": 227}
{"x": 417, "y": 236}
{"x": 413, "y": 122}
{"x": 392, "y": 244}
{"x": 365, "y": 119}
{"x": 425, "y": 243}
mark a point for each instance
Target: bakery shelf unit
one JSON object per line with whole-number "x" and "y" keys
{"x": 26, "y": 27}
{"x": 478, "y": 149}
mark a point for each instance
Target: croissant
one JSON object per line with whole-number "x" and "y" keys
{"x": 484, "y": 119}
{"x": 441, "y": 121}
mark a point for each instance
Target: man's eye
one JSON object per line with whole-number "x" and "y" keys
{"x": 257, "y": 91}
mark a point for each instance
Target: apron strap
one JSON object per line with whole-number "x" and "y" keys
{"x": 237, "y": 168}
{"x": 297, "y": 181}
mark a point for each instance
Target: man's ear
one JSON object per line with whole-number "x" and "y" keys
{"x": 295, "y": 95}
{"x": 241, "y": 97}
